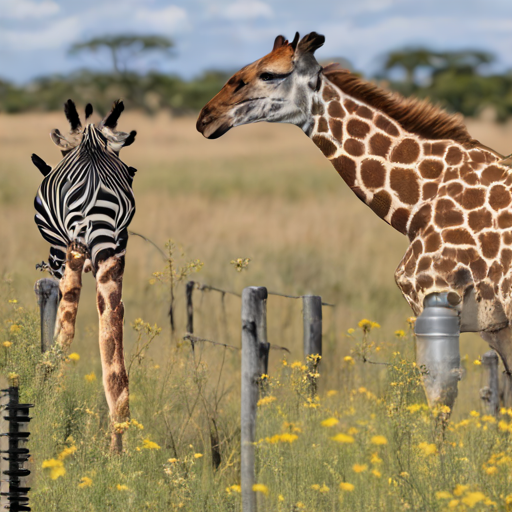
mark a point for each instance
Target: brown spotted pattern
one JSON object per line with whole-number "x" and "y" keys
{"x": 454, "y": 202}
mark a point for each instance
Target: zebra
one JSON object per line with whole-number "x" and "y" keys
{"x": 84, "y": 207}
{"x": 87, "y": 198}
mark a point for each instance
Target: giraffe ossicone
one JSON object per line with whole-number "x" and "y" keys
{"x": 413, "y": 164}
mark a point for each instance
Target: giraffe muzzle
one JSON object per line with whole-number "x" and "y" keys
{"x": 437, "y": 348}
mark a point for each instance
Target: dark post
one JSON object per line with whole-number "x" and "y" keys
{"x": 16, "y": 456}
{"x": 47, "y": 291}
{"x": 312, "y": 318}
{"x": 190, "y": 307}
{"x": 253, "y": 323}
{"x": 490, "y": 393}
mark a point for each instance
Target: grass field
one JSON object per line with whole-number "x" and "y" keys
{"x": 263, "y": 192}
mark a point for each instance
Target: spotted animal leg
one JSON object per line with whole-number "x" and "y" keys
{"x": 109, "y": 283}
{"x": 70, "y": 286}
{"x": 501, "y": 342}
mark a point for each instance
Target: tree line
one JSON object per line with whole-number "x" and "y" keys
{"x": 460, "y": 81}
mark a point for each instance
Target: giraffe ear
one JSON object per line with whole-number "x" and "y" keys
{"x": 310, "y": 43}
{"x": 280, "y": 41}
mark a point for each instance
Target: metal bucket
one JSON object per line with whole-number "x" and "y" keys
{"x": 437, "y": 348}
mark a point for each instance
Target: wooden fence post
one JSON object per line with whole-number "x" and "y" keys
{"x": 47, "y": 291}
{"x": 253, "y": 322}
{"x": 490, "y": 393}
{"x": 312, "y": 318}
{"x": 190, "y": 306}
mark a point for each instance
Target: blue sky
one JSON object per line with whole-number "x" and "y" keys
{"x": 36, "y": 34}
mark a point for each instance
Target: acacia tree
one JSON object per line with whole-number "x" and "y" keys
{"x": 124, "y": 48}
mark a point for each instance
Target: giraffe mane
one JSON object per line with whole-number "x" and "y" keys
{"x": 415, "y": 115}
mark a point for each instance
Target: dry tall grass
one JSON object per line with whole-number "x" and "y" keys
{"x": 262, "y": 191}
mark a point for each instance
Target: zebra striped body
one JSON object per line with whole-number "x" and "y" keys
{"x": 87, "y": 198}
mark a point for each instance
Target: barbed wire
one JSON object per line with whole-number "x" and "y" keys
{"x": 197, "y": 339}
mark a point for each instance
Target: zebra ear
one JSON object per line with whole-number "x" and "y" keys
{"x": 88, "y": 111}
{"x": 60, "y": 141}
{"x": 41, "y": 164}
{"x": 72, "y": 115}
{"x": 130, "y": 139}
{"x": 112, "y": 117}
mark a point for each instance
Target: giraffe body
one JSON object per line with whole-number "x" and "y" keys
{"x": 452, "y": 199}
{"x": 413, "y": 164}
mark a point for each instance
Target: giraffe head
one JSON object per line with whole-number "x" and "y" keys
{"x": 275, "y": 88}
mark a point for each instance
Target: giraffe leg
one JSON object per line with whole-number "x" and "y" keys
{"x": 501, "y": 342}
{"x": 109, "y": 283}
{"x": 70, "y": 286}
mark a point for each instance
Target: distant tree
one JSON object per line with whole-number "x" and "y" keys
{"x": 410, "y": 59}
{"x": 124, "y": 48}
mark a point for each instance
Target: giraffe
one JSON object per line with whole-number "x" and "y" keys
{"x": 84, "y": 206}
{"x": 413, "y": 164}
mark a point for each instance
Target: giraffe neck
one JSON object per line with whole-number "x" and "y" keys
{"x": 396, "y": 173}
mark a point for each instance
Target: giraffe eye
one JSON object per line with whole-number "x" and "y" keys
{"x": 266, "y": 77}
{"x": 240, "y": 85}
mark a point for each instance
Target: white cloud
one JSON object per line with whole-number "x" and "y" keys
{"x": 169, "y": 19}
{"x": 51, "y": 36}
{"x": 245, "y": 10}
{"x": 25, "y": 9}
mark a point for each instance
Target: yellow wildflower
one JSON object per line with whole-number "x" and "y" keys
{"x": 121, "y": 487}
{"x": 376, "y": 472}
{"x": 260, "y": 488}
{"x": 352, "y": 431}
{"x": 453, "y": 503}
{"x": 472, "y": 498}
{"x": 379, "y": 440}
{"x": 329, "y": 422}
{"x": 367, "y": 325}
{"x": 74, "y": 357}
{"x": 359, "y": 468}
{"x": 477, "y": 362}
{"x": 15, "y": 329}
{"x": 346, "y": 486}
{"x": 332, "y": 392}
{"x": 443, "y": 495}
{"x": 488, "y": 419}
{"x": 343, "y": 438}
{"x": 400, "y": 333}
{"x": 324, "y": 489}
{"x": 460, "y": 489}
{"x": 315, "y": 487}
{"x": 173, "y": 460}
{"x": 85, "y": 481}
{"x": 474, "y": 414}
{"x": 491, "y": 470}
{"x": 375, "y": 459}
{"x": 427, "y": 448}
{"x": 197, "y": 455}
{"x": 150, "y": 445}
{"x": 351, "y": 331}
{"x": 236, "y": 488}
{"x": 56, "y": 467}
{"x": 67, "y": 452}
{"x": 135, "y": 423}
{"x": 90, "y": 377}
{"x": 411, "y": 321}
{"x": 280, "y": 497}
{"x": 7, "y": 344}
{"x": 348, "y": 359}
{"x": 266, "y": 400}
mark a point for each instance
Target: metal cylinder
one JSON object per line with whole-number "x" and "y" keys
{"x": 437, "y": 348}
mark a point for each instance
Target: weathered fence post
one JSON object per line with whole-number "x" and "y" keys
{"x": 312, "y": 318}
{"x": 190, "y": 306}
{"x": 490, "y": 393}
{"x": 47, "y": 291}
{"x": 253, "y": 324}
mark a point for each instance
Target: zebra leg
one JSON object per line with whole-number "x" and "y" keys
{"x": 70, "y": 286}
{"x": 109, "y": 284}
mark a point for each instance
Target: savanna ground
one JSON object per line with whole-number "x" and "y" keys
{"x": 365, "y": 442}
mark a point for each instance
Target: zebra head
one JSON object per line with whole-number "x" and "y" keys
{"x": 115, "y": 139}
